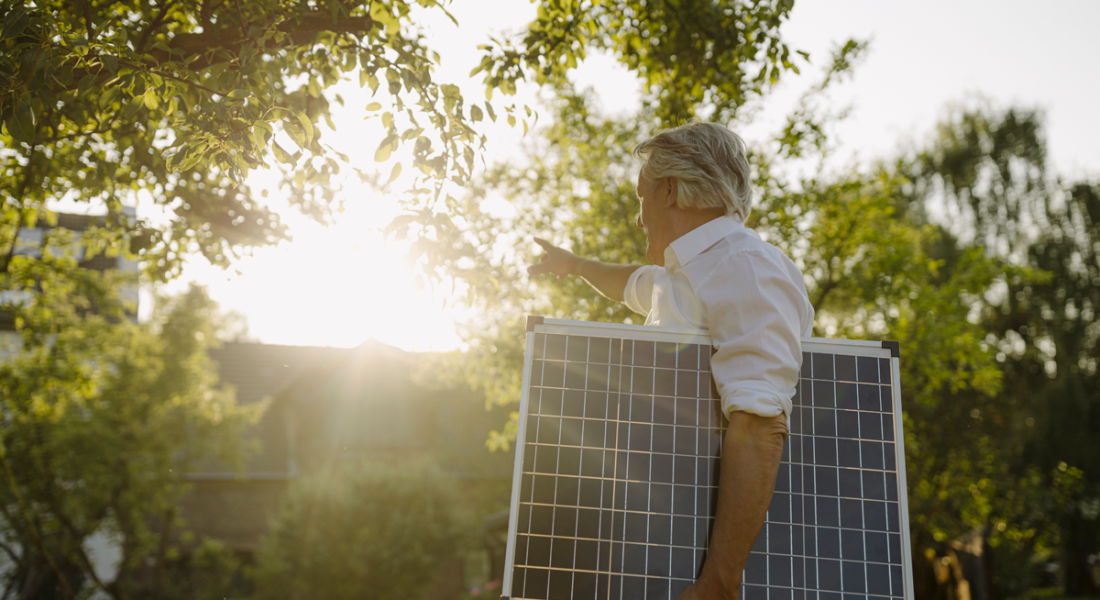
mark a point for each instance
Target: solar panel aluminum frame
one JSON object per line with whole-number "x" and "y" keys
{"x": 541, "y": 325}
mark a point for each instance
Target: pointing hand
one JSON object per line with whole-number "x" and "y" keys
{"x": 558, "y": 261}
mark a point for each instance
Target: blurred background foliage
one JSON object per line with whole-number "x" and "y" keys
{"x": 103, "y": 418}
{"x": 369, "y": 531}
{"x": 964, "y": 248}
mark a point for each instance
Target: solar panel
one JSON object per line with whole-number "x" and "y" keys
{"x": 616, "y": 475}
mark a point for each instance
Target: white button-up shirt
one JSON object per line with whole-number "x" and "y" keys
{"x": 721, "y": 276}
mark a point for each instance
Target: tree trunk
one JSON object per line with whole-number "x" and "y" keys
{"x": 1080, "y": 542}
{"x": 35, "y": 581}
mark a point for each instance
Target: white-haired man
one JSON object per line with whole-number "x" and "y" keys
{"x": 709, "y": 271}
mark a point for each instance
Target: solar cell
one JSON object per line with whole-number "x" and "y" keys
{"x": 616, "y": 480}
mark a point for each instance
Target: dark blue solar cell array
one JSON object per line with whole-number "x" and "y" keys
{"x": 620, "y": 477}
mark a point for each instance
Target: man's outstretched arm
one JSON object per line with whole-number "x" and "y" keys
{"x": 607, "y": 278}
{"x": 751, "y": 452}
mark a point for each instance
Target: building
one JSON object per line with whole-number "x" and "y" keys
{"x": 29, "y": 241}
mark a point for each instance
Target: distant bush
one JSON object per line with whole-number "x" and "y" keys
{"x": 368, "y": 533}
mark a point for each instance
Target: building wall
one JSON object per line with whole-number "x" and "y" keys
{"x": 234, "y": 512}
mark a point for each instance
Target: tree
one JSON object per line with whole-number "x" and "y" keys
{"x": 990, "y": 167}
{"x": 368, "y": 531}
{"x": 102, "y": 419}
{"x": 184, "y": 100}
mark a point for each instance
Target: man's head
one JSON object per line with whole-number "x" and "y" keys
{"x": 690, "y": 174}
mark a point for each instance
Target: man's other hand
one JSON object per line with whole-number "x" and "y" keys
{"x": 558, "y": 261}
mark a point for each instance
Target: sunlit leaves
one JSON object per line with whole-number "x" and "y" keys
{"x": 688, "y": 54}
{"x": 185, "y": 106}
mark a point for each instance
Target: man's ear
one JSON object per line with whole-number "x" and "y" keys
{"x": 673, "y": 191}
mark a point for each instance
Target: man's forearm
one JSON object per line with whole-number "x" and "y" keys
{"x": 751, "y": 452}
{"x": 607, "y": 278}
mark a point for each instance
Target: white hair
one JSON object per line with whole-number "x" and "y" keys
{"x": 708, "y": 162}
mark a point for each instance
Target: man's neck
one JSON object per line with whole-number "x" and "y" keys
{"x": 686, "y": 220}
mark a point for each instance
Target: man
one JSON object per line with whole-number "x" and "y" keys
{"x": 711, "y": 272}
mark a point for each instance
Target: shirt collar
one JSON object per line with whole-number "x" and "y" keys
{"x": 693, "y": 243}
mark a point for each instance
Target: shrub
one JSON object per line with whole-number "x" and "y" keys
{"x": 373, "y": 532}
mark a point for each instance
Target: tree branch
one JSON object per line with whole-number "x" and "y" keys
{"x": 89, "y": 568}
{"x": 10, "y": 586}
{"x": 152, "y": 26}
{"x": 30, "y": 523}
{"x": 88, "y": 20}
{"x": 22, "y": 199}
{"x": 11, "y": 554}
{"x": 301, "y": 27}
{"x": 162, "y": 548}
{"x": 207, "y": 10}
{"x": 172, "y": 77}
{"x": 832, "y": 283}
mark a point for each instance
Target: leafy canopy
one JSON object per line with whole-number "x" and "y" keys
{"x": 182, "y": 100}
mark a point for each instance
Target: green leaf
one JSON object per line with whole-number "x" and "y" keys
{"x": 238, "y": 93}
{"x": 492, "y": 115}
{"x": 281, "y": 155}
{"x": 475, "y": 113}
{"x": 85, "y": 84}
{"x": 259, "y": 134}
{"x": 110, "y": 63}
{"x": 373, "y": 106}
{"x": 297, "y": 135}
{"x": 512, "y": 120}
{"x": 150, "y": 99}
{"x": 131, "y": 109}
{"x": 394, "y": 173}
{"x": 21, "y": 123}
{"x": 195, "y": 154}
{"x": 307, "y": 126}
{"x": 107, "y": 96}
{"x": 382, "y": 154}
{"x": 14, "y": 23}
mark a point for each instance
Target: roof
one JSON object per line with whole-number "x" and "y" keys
{"x": 350, "y": 404}
{"x": 258, "y": 371}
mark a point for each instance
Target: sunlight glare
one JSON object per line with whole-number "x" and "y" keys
{"x": 335, "y": 286}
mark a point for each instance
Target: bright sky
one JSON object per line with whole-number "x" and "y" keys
{"x": 341, "y": 285}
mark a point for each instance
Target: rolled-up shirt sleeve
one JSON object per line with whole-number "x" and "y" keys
{"x": 638, "y": 293}
{"x": 755, "y": 314}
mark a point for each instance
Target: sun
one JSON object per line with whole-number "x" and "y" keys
{"x": 335, "y": 286}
